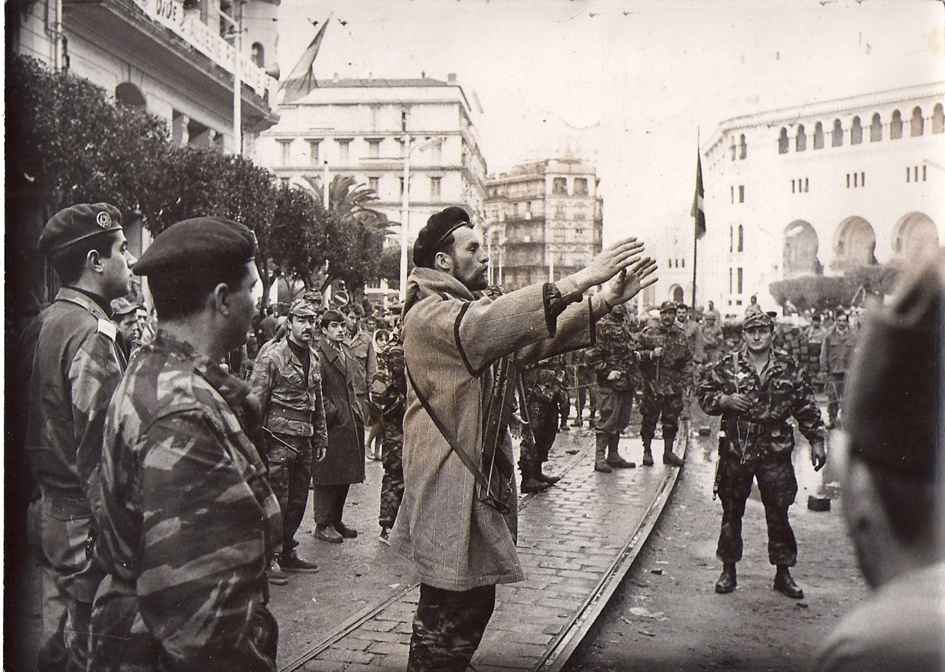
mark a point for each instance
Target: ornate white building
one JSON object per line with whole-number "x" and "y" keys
{"x": 819, "y": 189}
{"x": 544, "y": 220}
{"x": 357, "y": 127}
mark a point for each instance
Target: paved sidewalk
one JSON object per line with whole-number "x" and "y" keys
{"x": 569, "y": 536}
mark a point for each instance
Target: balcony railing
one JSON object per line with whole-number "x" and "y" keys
{"x": 187, "y": 25}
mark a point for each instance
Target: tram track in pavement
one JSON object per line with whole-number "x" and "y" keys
{"x": 563, "y": 645}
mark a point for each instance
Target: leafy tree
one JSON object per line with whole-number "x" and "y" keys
{"x": 820, "y": 292}
{"x": 389, "y": 267}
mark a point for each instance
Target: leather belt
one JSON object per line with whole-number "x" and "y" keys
{"x": 290, "y": 414}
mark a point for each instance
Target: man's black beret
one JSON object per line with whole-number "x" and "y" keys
{"x": 195, "y": 245}
{"x": 439, "y": 226}
{"x": 77, "y": 223}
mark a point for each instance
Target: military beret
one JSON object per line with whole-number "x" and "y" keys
{"x": 77, "y": 223}
{"x": 305, "y": 306}
{"x": 667, "y": 306}
{"x": 123, "y": 306}
{"x": 894, "y": 403}
{"x": 438, "y": 228}
{"x": 758, "y": 319}
{"x": 197, "y": 244}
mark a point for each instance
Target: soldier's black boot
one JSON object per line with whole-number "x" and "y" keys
{"x": 669, "y": 457}
{"x": 727, "y": 580}
{"x": 647, "y": 453}
{"x": 600, "y": 455}
{"x": 784, "y": 583}
{"x": 545, "y": 478}
{"x": 530, "y": 481}
{"x": 613, "y": 456}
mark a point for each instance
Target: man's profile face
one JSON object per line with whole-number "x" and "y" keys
{"x": 351, "y": 322}
{"x": 118, "y": 268}
{"x": 758, "y": 338}
{"x": 301, "y": 327}
{"x": 242, "y": 305}
{"x": 470, "y": 261}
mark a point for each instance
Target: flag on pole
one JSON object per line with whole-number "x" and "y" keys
{"x": 302, "y": 80}
{"x": 698, "y": 211}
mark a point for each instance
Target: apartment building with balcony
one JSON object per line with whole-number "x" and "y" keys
{"x": 544, "y": 220}
{"x": 358, "y": 128}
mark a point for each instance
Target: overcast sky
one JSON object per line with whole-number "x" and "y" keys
{"x": 626, "y": 84}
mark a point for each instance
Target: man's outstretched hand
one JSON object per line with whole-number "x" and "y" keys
{"x": 630, "y": 281}
{"x": 609, "y": 263}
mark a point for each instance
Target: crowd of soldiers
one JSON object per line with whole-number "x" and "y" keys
{"x": 275, "y": 407}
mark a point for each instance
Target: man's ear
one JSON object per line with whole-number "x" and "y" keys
{"x": 220, "y": 299}
{"x": 443, "y": 261}
{"x": 93, "y": 261}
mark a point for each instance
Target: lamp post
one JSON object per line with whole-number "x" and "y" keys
{"x": 236, "y": 31}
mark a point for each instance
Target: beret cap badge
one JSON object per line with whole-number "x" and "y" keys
{"x": 103, "y": 219}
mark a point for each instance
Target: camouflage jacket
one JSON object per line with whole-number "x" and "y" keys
{"x": 614, "y": 351}
{"x": 389, "y": 390}
{"x": 288, "y": 403}
{"x": 188, "y": 524}
{"x": 713, "y": 341}
{"x": 76, "y": 366}
{"x": 780, "y": 392}
{"x": 671, "y": 372}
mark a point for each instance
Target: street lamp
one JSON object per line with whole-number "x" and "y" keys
{"x": 405, "y": 200}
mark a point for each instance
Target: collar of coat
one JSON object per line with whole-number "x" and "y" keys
{"x": 424, "y": 282}
{"x": 84, "y": 299}
{"x": 777, "y": 361}
{"x": 329, "y": 352}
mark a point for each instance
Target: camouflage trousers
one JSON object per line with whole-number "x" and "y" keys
{"x": 289, "y": 476}
{"x": 778, "y": 488}
{"x": 535, "y": 446}
{"x": 655, "y": 407}
{"x": 615, "y": 407}
{"x": 448, "y": 627}
{"x": 392, "y": 484}
{"x": 70, "y": 578}
{"x": 836, "y": 384}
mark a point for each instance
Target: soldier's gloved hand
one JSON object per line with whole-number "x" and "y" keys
{"x": 818, "y": 455}
{"x": 739, "y": 403}
{"x": 614, "y": 375}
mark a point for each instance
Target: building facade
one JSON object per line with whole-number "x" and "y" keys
{"x": 168, "y": 57}
{"x": 821, "y": 189}
{"x": 358, "y": 128}
{"x": 544, "y": 220}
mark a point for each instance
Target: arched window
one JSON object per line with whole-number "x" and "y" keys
{"x": 917, "y": 125}
{"x": 856, "y": 132}
{"x": 129, "y": 95}
{"x": 258, "y": 54}
{"x": 741, "y": 238}
{"x": 819, "y": 136}
{"x": 743, "y": 145}
{"x": 895, "y": 126}
{"x": 938, "y": 119}
{"x": 801, "y": 138}
{"x": 836, "y": 139}
{"x": 783, "y": 141}
{"x": 876, "y": 129}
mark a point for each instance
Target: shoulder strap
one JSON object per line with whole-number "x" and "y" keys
{"x": 481, "y": 479}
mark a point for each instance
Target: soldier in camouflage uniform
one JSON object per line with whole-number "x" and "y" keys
{"x": 666, "y": 363}
{"x": 286, "y": 381}
{"x": 613, "y": 360}
{"x": 586, "y": 394}
{"x": 756, "y": 390}
{"x": 187, "y": 521}
{"x": 75, "y": 367}
{"x": 713, "y": 341}
{"x": 389, "y": 395}
{"x": 542, "y": 394}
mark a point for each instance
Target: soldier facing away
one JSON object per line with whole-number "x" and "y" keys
{"x": 187, "y": 521}
{"x": 76, "y": 366}
{"x": 756, "y": 389}
{"x": 287, "y": 384}
{"x": 389, "y": 395}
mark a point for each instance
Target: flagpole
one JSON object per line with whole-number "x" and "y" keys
{"x": 695, "y": 236}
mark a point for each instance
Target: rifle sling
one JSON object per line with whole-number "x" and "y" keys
{"x": 476, "y": 471}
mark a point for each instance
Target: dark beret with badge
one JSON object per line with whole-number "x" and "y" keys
{"x": 895, "y": 407}
{"x": 196, "y": 245}
{"x": 76, "y": 224}
{"x": 438, "y": 228}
